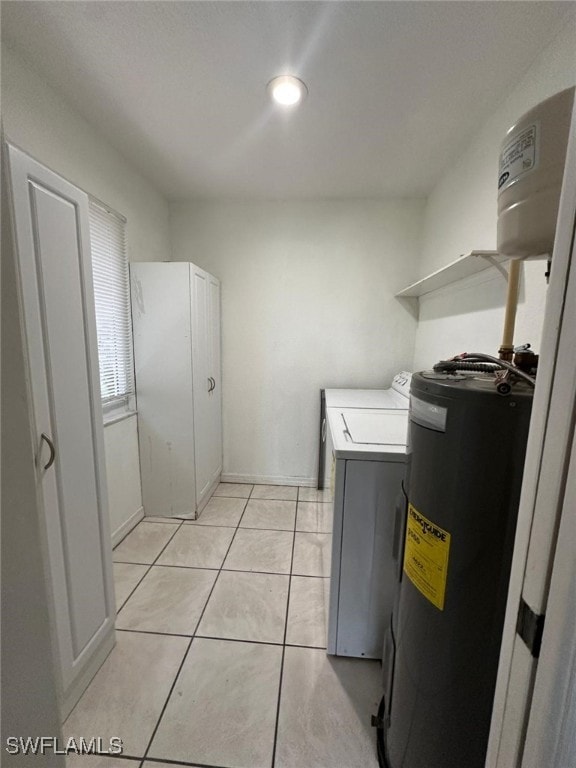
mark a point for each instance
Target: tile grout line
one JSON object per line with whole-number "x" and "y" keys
{"x": 280, "y": 682}
{"x": 178, "y": 526}
{"x": 172, "y": 687}
{"x": 226, "y": 639}
{"x": 168, "y": 761}
{"x": 154, "y": 632}
{"x": 129, "y": 596}
{"x": 150, "y": 566}
{"x": 232, "y": 570}
{"x": 258, "y": 528}
{"x": 195, "y": 634}
{"x": 177, "y": 763}
{"x": 163, "y": 565}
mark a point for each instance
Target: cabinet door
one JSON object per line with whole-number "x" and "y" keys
{"x": 163, "y": 361}
{"x": 199, "y": 294}
{"x": 53, "y": 246}
{"x": 216, "y": 373}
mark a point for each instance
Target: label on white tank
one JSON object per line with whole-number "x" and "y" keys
{"x": 519, "y": 156}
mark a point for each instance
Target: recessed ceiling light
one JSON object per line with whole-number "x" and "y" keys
{"x": 287, "y": 90}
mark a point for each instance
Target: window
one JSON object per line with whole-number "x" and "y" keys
{"x": 112, "y": 300}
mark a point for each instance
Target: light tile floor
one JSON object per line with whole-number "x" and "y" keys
{"x": 220, "y": 658}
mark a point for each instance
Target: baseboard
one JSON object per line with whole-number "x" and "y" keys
{"x": 127, "y": 526}
{"x": 307, "y": 482}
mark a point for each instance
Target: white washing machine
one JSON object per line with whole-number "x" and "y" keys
{"x": 395, "y": 397}
{"x": 369, "y": 461}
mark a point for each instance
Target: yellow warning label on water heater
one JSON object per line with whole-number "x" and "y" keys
{"x": 426, "y": 556}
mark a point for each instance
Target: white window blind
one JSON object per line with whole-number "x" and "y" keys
{"x": 112, "y": 300}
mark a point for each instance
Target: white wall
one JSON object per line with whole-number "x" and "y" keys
{"x": 42, "y": 123}
{"x": 307, "y": 302}
{"x": 461, "y": 216}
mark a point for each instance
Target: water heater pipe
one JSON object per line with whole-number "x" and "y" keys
{"x": 506, "y": 351}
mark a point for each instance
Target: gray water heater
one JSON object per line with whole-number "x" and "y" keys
{"x": 455, "y": 543}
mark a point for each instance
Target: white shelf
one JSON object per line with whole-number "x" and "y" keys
{"x": 468, "y": 264}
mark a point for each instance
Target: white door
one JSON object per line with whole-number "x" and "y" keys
{"x": 216, "y": 373}
{"x": 53, "y": 247}
{"x": 199, "y": 294}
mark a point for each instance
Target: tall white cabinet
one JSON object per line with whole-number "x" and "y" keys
{"x": 57, "y": 302}
{"x": 176, "y": 326}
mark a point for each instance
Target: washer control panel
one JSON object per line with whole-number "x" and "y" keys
{"x": 401, "y": 383}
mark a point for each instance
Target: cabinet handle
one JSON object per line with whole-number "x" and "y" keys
{"x": 323, "y": 430}
{"x": 52, "y": 450}
{"x": 213, "y": 384}
{"x": 209, "y": 384}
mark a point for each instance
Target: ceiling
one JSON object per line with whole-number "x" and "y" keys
{"x": 396, "y": 89}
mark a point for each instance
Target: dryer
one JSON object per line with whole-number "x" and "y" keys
{"x": 369, "y": 460}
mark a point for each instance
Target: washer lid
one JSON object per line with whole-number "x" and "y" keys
{"x": 365, "y": 398}
{"x": 376, "y": 428}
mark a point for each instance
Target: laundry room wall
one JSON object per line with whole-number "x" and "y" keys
{"x": 37, "y": 119}
{"x": 307, "y": 302}
{"x": 461, "y": 216}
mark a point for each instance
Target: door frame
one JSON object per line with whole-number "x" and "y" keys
{"x": 519, "y": 723}
{"x": 550, "y": 732}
